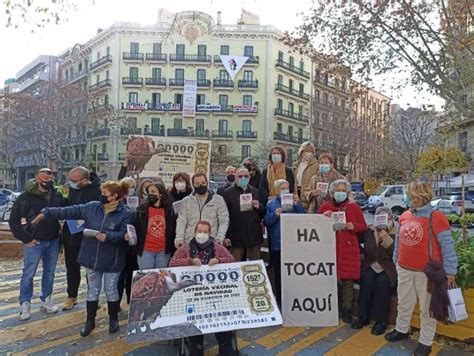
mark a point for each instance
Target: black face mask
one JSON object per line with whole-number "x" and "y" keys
{"x": 152, "y": 199}
{"x": 201, "y": 190}
{"x": 47, "y": 185}
{"x": 230, "y": 178}
{"x": 103, "y": 199}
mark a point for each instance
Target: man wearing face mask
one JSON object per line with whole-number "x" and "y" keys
{"x": 245, "y": 229}
{"x": 41, "y": 241}
{"x": 85, "y": 187}
{"x": 229, "y": 180}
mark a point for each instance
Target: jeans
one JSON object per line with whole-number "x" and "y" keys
{"x": 48, "y": 252}
{"x": 152, "y": 260}
{"x": 94, "y": 285}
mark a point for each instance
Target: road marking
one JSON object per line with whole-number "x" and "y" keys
{"x": 15, "y": 304}
{"x": 279, "y": 336}
{"x": 309, "y": 340}
{"x": 116, "y": 347}
{"x": 361, "y": 343}
{"x": 36, "y": 291}
{"x": 215, "y": 349}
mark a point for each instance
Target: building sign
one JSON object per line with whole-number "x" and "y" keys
{"x": 308, "y": 258}
{"x": 172, "y": 303}
{"x": 208, "y": 107}
{"x": 164, "y": 107}
{"x": 246, "y": 108}
{"x": 134, "y": 106}
{"x": 189, "y": 98}
{"x": 233, "y": 64}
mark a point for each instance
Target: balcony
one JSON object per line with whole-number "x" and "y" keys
{"x": 132, "y": 82}
{"x": 148, "y": 132}
{"x": 176, "y": 82}
{"x": 327, "y": 83}
{"x": 155, "y": 82}
{"x": 293, "y": 92}
{"x": 248, "y": 84}
{"x": 134, "y": 106}
{"x": 224, "y": 83}
{"x": 247, "y": 135}
{"x": 100, "y": 62}
{"x": 292, "y": 115}
{"x": 187, "y": 133}
{"x": 76, "y": 76}
{"x": 106, "y": 83}
{"x": 206, "y": 108}
{"x": 164, "y": 107}
{"x": 203, "y": 83}
{"x": 98, "y": 133}
{"x": 190, "y": 58}
{"x": 280, "y": 136}
{"x": 292, "y": 69}
{"x": 102, "y": 156}
{"x": 222, "y": 134}
{"x": 132, "y": 57}
{"x": 130, "y": 131}
{"x": 156, "y": 57}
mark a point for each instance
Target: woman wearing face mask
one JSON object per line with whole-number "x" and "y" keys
{"x": 155, "y": 226}
{"x": 203, "y": 250}
{"x": 276, "y": 170}
{"x": 326, "y": 174}
{"x": 347, "y": 244}
{"x": 304, "y": 169}
{"x": 142, "y": 190}
{"x": 181, "y": 187}
{"x": 103, "y": 247}
{"x": 255, "y": 174}
{"x": 272, "y": 222}
{"x": 379, "y": 275}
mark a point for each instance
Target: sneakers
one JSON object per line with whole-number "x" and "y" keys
{"x": 396, "y": 336}
{"x": 25, "y": 311}
{"x": 422, "y": 350}
{"x": 379, "y": 328}
{"x": 48, "y": 306}
{"x": 69, "y": 304}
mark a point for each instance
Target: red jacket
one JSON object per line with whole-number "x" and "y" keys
{"x": 347, "y": 243}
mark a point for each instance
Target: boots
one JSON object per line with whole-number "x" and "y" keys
{"x": 113, "y": 308}
{"x": 91, "y": 308}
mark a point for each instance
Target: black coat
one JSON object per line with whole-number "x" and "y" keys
{"x": 245, "y": 227}
{"x": 220, "y": 191}
{"x": 265, "y": 188}
{"x": 141, "y": 225}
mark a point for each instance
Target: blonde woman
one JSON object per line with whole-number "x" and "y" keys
{"x": 411, "y": 254}
{"x": 304, "y": 169}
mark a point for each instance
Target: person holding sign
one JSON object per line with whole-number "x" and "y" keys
{"x": 304, "y": 169}
{"x": 348, "y": 222}
{"x": 203, "y": 250}
{"x": 272, "y": 222}
{"x": 246, "y": 211}
{"x": 276, "y": 170}
{"x": 379, "y": 275}
{"x": 318, "y": 191}
{"x": 155, "y": 226}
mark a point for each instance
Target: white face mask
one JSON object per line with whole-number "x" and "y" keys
{"x": 202, "y": 237}
{"x": 180, "y": 186}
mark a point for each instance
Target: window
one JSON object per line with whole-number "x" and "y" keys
{"x": 318, "y": 74}
{"x": 248, "y": 75}
{"x": 223, "y": 101}
{"x": 280, "y": 56}
{"x": 246, "y": 151}
{"x": 300, "y": 134}
{"x": 180, "y": 49}
{"x": 134, "y": 47}
{"x": 156, "y": 73}
{"x": 156, "y": 98}
{"x": 279, "y": 128}
{"x": 316, "y": 94}
{"x": 104, "y": 148}
{"x": 300, "y": 111}
{"x": 106, "y": 99}
{"x": 326, "y": 98}
{"x": 179, "y": 74}
{"x": 178, "y": 123}
{"x": 201, "y": 74}
{"x": 97, "y": 78}
{"x": 133, "y": 72}
{"x": 326, "y": 79}
{"x": 200, "y": 99}
{"x": 247, "y": 100}
{"x": 132, "y": 122}
{"x": 279, "y": 104}
{"x": 107, "y": 51}
{"x": 291, "y": 108}
{"x": 199, "y": 125}
{"x": 291, "y": 61}
{"x": 223, "y": 75}
{"x": 247, "y": 126}
{"x": 248, "y": 51}
{"x": 133, "y": 97}
{"x": 290, "y": 84}
{"x": 94, "y": 149}
{"x": 157, "y": 48}
{"x": 98, "y": 55}
{"x": 280, "y": 79}
{"x": 301, "y": 64}
{"x": 79, "y": 67}
{"x": 155, "y": 124}
{"x": 107, "y": 74}
{"x": 225, "y": 50}
{"x": 223, "y": 126}
{"x": 290, "y": 131}
{"x": 317, "y": 118}
{"x": 301, "y": 88}
{"x": 463, "y": 141}
{"x": 178, "y": 99}
{"x": 202, "y": 49}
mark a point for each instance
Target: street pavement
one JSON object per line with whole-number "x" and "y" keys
{"x": 59, "y": 334}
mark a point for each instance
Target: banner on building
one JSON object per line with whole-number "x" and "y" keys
{"x": 156, "y": 156}
{"x": 172, "y": 303}
{"x": 308, "y": 258}
{"x": 233, "y": 64}
{"x": 189, "y": 98}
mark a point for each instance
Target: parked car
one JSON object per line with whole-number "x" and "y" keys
{"x": 360, "y": 199}
{"x": 5, "y": 211}
{"x": 10, "y": 194}
{"x": 434, "y": 202}
{"x": 452, "y": 203}
{"x": 390, "y": 196}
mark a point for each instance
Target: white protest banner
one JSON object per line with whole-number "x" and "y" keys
{"x": 151, "y": 157}
{"x": 308, "y": 270}
{"x": 178, "y": 302}
{"x": 246, "y": 202}
{"x": 189, "y": 98}
{"x": 233, "y": 64}
{"x": 322, "y": 187}
{"x": 287, "y": 202}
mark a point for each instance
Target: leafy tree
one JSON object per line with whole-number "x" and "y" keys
{"x": 441, "y": 160}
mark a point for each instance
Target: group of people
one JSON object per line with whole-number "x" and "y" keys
{"x": 188, "y": 224}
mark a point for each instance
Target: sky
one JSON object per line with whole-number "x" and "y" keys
{"x": 21, "y": 46}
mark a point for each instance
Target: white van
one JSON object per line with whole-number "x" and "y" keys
{"x": 389, "y": 196}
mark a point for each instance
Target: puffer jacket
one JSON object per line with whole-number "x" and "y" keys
{"x": 107, "y": 256}
{"x": 213, "y": 210}
{"x": 312, "y": 169}
{"x": 347, "y": 243}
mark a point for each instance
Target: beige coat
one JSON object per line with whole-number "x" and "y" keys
{"x": 315, "y": 202}
{"x": 311, "y": 169}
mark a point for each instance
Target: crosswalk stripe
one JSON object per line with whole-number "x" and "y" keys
{"x": 116, "y": 347}
{"x": 309, "y": 340}
{"x": 361, "y": 343}
{"x": 56, "y": 297}
{"x": 279, "y": 336}
{"x": 215, "y": 349}
{"x": 37, "y": 290}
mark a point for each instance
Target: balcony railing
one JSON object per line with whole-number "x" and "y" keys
{"x": 247, "y": 134}
{"x": 280, "y": 136}
{"x": 291, "y": 91}
{"x": 130, "y": 131}
{"x": 102, "y": 156}
{"x": 132, "y": 81}
{"x": 156, "y": 57}
{"x": 251, "y": 60}
{"x": 329, "y": 84}
{"x": 155, "y": 81}
{"x": 102, "y": 84}
{"x": 187, "y": 133}
{"x": 100, "y": 62}
{"x": 223, "y": 83}
{"x": 292, "y": 115}
{"x": 98, "y": 133}
{"x": 134, "y": 106}
{"x": 133, "y": 56}
{"x": 190, "y": 58}
{"x": 151, "y": 132}
{"x": 204, "y": 83}
{"x": 176, "y": 82}
{"x": 222, "y": 134}
{"x": 76, "y": 75}
{"x": 164, "y": 107}
{"x": 252, "y": 84}
{"x": 292, "y": 68}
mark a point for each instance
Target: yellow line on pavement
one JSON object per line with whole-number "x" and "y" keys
{"x": 215, "y": 349}
{"x": 16, "y": 282}
{"x": 37, "y": 289}
{"x": 361, "y": 343}
{"x": 279, "y": 336}
{"x": 116, "y": 347}
{"x": 309, "y": 340}
{"x": 435, "y": 348}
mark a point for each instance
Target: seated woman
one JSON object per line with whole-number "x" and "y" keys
{"x": 378, "y": 274}
{"x": 202, "y": 250}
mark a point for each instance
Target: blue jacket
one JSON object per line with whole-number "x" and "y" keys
{"x": 107, "y": 256}
{"x": 272, "y": 221}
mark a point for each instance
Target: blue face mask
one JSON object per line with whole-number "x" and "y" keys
{"x": 286, "y": 191}
{"x": 324, "y": 168}
{"x": 276, "y": 158}
{"x": 406, "y": 200}
{"x": 73, "y": 185}
{"x": 243, "y": 182}
{"x": 340, "y": 196}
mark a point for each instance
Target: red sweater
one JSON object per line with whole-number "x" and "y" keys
{"x": 182, "y": 257}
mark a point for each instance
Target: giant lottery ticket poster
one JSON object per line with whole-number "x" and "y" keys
{"x": 184, "y": 301}
{"x": 151, "y": 157}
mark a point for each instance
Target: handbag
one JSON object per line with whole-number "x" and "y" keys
{"x": 457, "y": 306}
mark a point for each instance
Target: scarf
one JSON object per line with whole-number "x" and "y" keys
{"x": 109, "y": 207}
{"x": 205, "y": 252}
{"x": 275, "y": 172}
{"x": 438, "y": 287}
